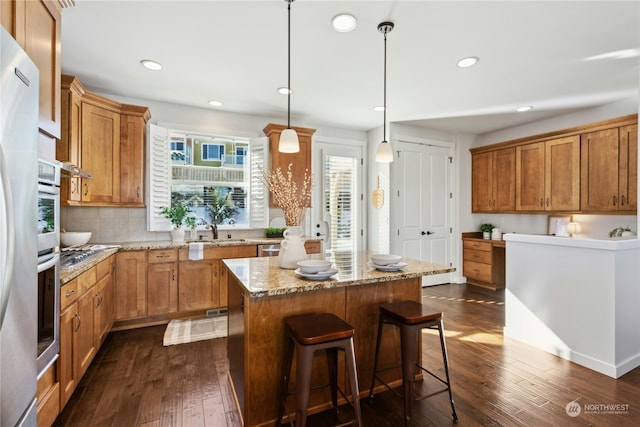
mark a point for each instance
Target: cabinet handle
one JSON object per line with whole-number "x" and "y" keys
{"x": 74, "y": 186}
{"x": 614, "y": 200}
{"x": 541, "y": 202}
{"x": 173, "y": 274}
{"x": 622, "y": 200}
{"x": 86, "y": 189}
{"x": 547, "y": 201}
{"x": 138, "y": 192}
{"x": 73, "y": 292}
{"x": 79, "y": 322}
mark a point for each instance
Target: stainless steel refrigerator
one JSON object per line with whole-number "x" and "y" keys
{"x": 18, "y": 234}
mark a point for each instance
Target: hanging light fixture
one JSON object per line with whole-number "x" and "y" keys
{"x": 289, "y": 138}
{"x": 384, "y": 153}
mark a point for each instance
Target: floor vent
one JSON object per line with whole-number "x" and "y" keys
{"x": 216, "y": 312}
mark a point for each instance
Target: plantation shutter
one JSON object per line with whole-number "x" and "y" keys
{"x": 340, "y": 200}
{"x": 159, "y": 178}
{"x": 258, "y": 193}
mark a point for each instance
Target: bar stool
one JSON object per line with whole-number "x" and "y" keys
{"x": 411, "y": 317}
{"x": 307, "y": 334}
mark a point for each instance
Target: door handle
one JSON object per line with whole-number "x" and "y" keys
{"x": 428, "y": 233}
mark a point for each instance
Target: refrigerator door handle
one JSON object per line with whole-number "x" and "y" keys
{"x": 9, "y": 225}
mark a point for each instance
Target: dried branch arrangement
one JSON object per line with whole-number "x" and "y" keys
{"x": 286, "y": 195}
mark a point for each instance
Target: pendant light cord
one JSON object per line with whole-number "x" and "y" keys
{"x": 289, "y": 65}
{"x": 384, "y": 102}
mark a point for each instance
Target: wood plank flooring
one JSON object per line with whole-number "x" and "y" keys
{"x": 135, "y": 381}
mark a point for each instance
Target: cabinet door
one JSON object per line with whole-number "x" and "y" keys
{"x": 69, "y": 322}
{"x": 530, "y": 177}
{"x": 103, "y": 309}
{"x": 628, "y": 186}
{"x": 482, "y": 182}
{"x": 600, "y": 154}
{"x": 68, "y": 148}
{"x": 301, "y": 161}
{"x": 132, "y": 137}
{"x": 562, "y": 174}
{"x": 84, "y": 333}
{"x": 162, "y": 288}
{"x": 504, "y": 180}
{"x": 198, "y": 285}
{"x": 100, "y": 153}
{"x": 131, "y": 285}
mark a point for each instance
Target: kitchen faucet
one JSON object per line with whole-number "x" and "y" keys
{"x": 214, "y": 229}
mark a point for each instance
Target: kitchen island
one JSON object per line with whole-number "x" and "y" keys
{"x": 262, "y": 295}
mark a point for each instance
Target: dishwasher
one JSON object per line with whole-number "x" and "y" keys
{"x": 269, "y": 250}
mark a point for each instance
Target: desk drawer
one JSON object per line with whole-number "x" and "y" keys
{"x": 477, "y": 271}
{"x": 479, "y": 246}
{"x": 477, "y": 256}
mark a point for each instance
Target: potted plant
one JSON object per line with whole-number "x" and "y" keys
{"x": 273, "y": 232}
{"x": 486, "y": 230}
{"x": 190, "y": 221}
{"x": 176, "y": 214}
{"x": 621, "y": 232}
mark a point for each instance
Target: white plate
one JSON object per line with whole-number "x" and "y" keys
{"x": 389, "y": 267}
{"x": 322, "y": 275}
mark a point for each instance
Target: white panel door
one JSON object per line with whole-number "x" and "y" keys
{"x": 423, "y": 208}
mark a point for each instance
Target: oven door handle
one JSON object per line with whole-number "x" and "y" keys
{"x": 49, "y": 261}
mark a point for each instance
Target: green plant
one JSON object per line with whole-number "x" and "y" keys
{"x": 486, "y": 228}
{"x": 190, "y": 221}
{"x": 221, "y": 207}
{"x": 176, "y": 213}
{"x": 274, "y": 230}
{"x": 617, "y": 232}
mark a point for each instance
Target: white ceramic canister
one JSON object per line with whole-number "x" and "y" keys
{"x": 496, "y": 234}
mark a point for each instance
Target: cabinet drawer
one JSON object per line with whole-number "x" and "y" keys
{"x": 86, "y": 280}
{"x": 477, "y": 271}
{"x": 479, "y": 246}
{"x": 104, "y": 267}
{"x": 168, "y": 255}
{"x": 68, "y": 294}
{"x": 477, "y": 256}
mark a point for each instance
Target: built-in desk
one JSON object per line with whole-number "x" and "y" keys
{"x": 483, "y": 261}
{"x": 262, "y": 295}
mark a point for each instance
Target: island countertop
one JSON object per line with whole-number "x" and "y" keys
{"x": 262, "y": 277}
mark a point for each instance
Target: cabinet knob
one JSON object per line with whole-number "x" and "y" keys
{"x": 73, "y": 292}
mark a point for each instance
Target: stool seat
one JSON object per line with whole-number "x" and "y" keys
{"x": 410, "y": 312}
{"x": 307, "y": 334}
{"x": 318, "y": 328}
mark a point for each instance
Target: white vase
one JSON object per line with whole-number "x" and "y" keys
{"x": 177, "y": 235}
{"x": 292, "y": 248}
{"x": 486, "y": 235}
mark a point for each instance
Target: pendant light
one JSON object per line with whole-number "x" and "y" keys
{"x": 289, "y": 138}
{"x": 384, "y": 153}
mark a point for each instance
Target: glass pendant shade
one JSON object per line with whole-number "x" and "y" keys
{"x": 288, "y": 141}
{"x": 384, "y": 153}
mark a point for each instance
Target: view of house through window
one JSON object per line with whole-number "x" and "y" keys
{"x": 210, "y": 175}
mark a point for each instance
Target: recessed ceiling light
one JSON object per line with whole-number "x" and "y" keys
{"x": 525, "y": 108}
{"x": 284, "y": 91}
{"x": 215, "y": 103}
{"x": 469, "y": 61}
{"x": 378, "y": 108}
{"x": 151, "y": 65}
{"x": 343, "y": 23}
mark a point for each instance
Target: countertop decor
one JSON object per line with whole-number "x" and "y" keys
{"x": 286, "y": 194}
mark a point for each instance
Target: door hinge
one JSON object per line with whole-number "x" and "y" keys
{"x": 361, "y": 161}
{"x": 451, "y": 195}
{"x": 361, "y": 232}
{"x": 450, "y": 159}
{"x": 450, "y": 230}
{"x": 361, "y": 196}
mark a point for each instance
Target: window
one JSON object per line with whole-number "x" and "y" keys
{"x": 217, "y": 188}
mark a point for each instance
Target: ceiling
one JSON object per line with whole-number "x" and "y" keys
{"x": 556, "y": 56}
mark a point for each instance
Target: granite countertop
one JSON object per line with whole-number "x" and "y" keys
{"x": 70, "y": 274}
{"x": 263, "y": 277}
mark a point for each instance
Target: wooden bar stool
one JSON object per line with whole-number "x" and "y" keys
{"x": 411, "y": 317}
{"x": 307, "y": 334}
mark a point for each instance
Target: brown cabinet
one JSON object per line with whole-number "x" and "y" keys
{"x": 162, "y": 282}
{"x": 37, "y": 27}
{"x": 103, "y": 300}
{"x": 198, "y": 285}
{"x": 131, "y": 285}
{"x": 300, "y": 161}
{"x": 493, "y": 181}
{"x": 48, "y": 397}
{"x": 483, "y": 261}
{"x": 609, "y": 169}
{"x": 548, "y": 175}
{"x": 106, "y": 139}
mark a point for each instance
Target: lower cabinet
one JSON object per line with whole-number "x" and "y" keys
{"x": 48, "y": 397}
{"x": 483, "y": 261}
{"x": 85, "y": 320}
{"x": 198, "y": 285}
{"x": 131, "y": 285}
{"x": 162, "y": 282}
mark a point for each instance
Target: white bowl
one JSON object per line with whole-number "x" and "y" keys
{"x": 70, "y": 238}
{"x": 311, "y": 266}
{"x": 385, "y": 259}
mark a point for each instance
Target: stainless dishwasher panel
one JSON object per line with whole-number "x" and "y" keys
{"x": 269, "y": 250}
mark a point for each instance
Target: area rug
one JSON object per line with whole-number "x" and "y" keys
{"x": 190, "y": 330}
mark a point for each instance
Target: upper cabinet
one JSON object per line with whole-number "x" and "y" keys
{"x": 548, "y": 175}
{"x": 301, "y": 161}
{"x": 106, "y": 139}
{"x": 587, "y": 169}
{"x": 610, "y": 169}
{"x": 493, "y": 181}
{"x": 36, "y": 26}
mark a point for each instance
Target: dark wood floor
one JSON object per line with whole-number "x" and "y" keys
{"x": 135, "y": 381}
